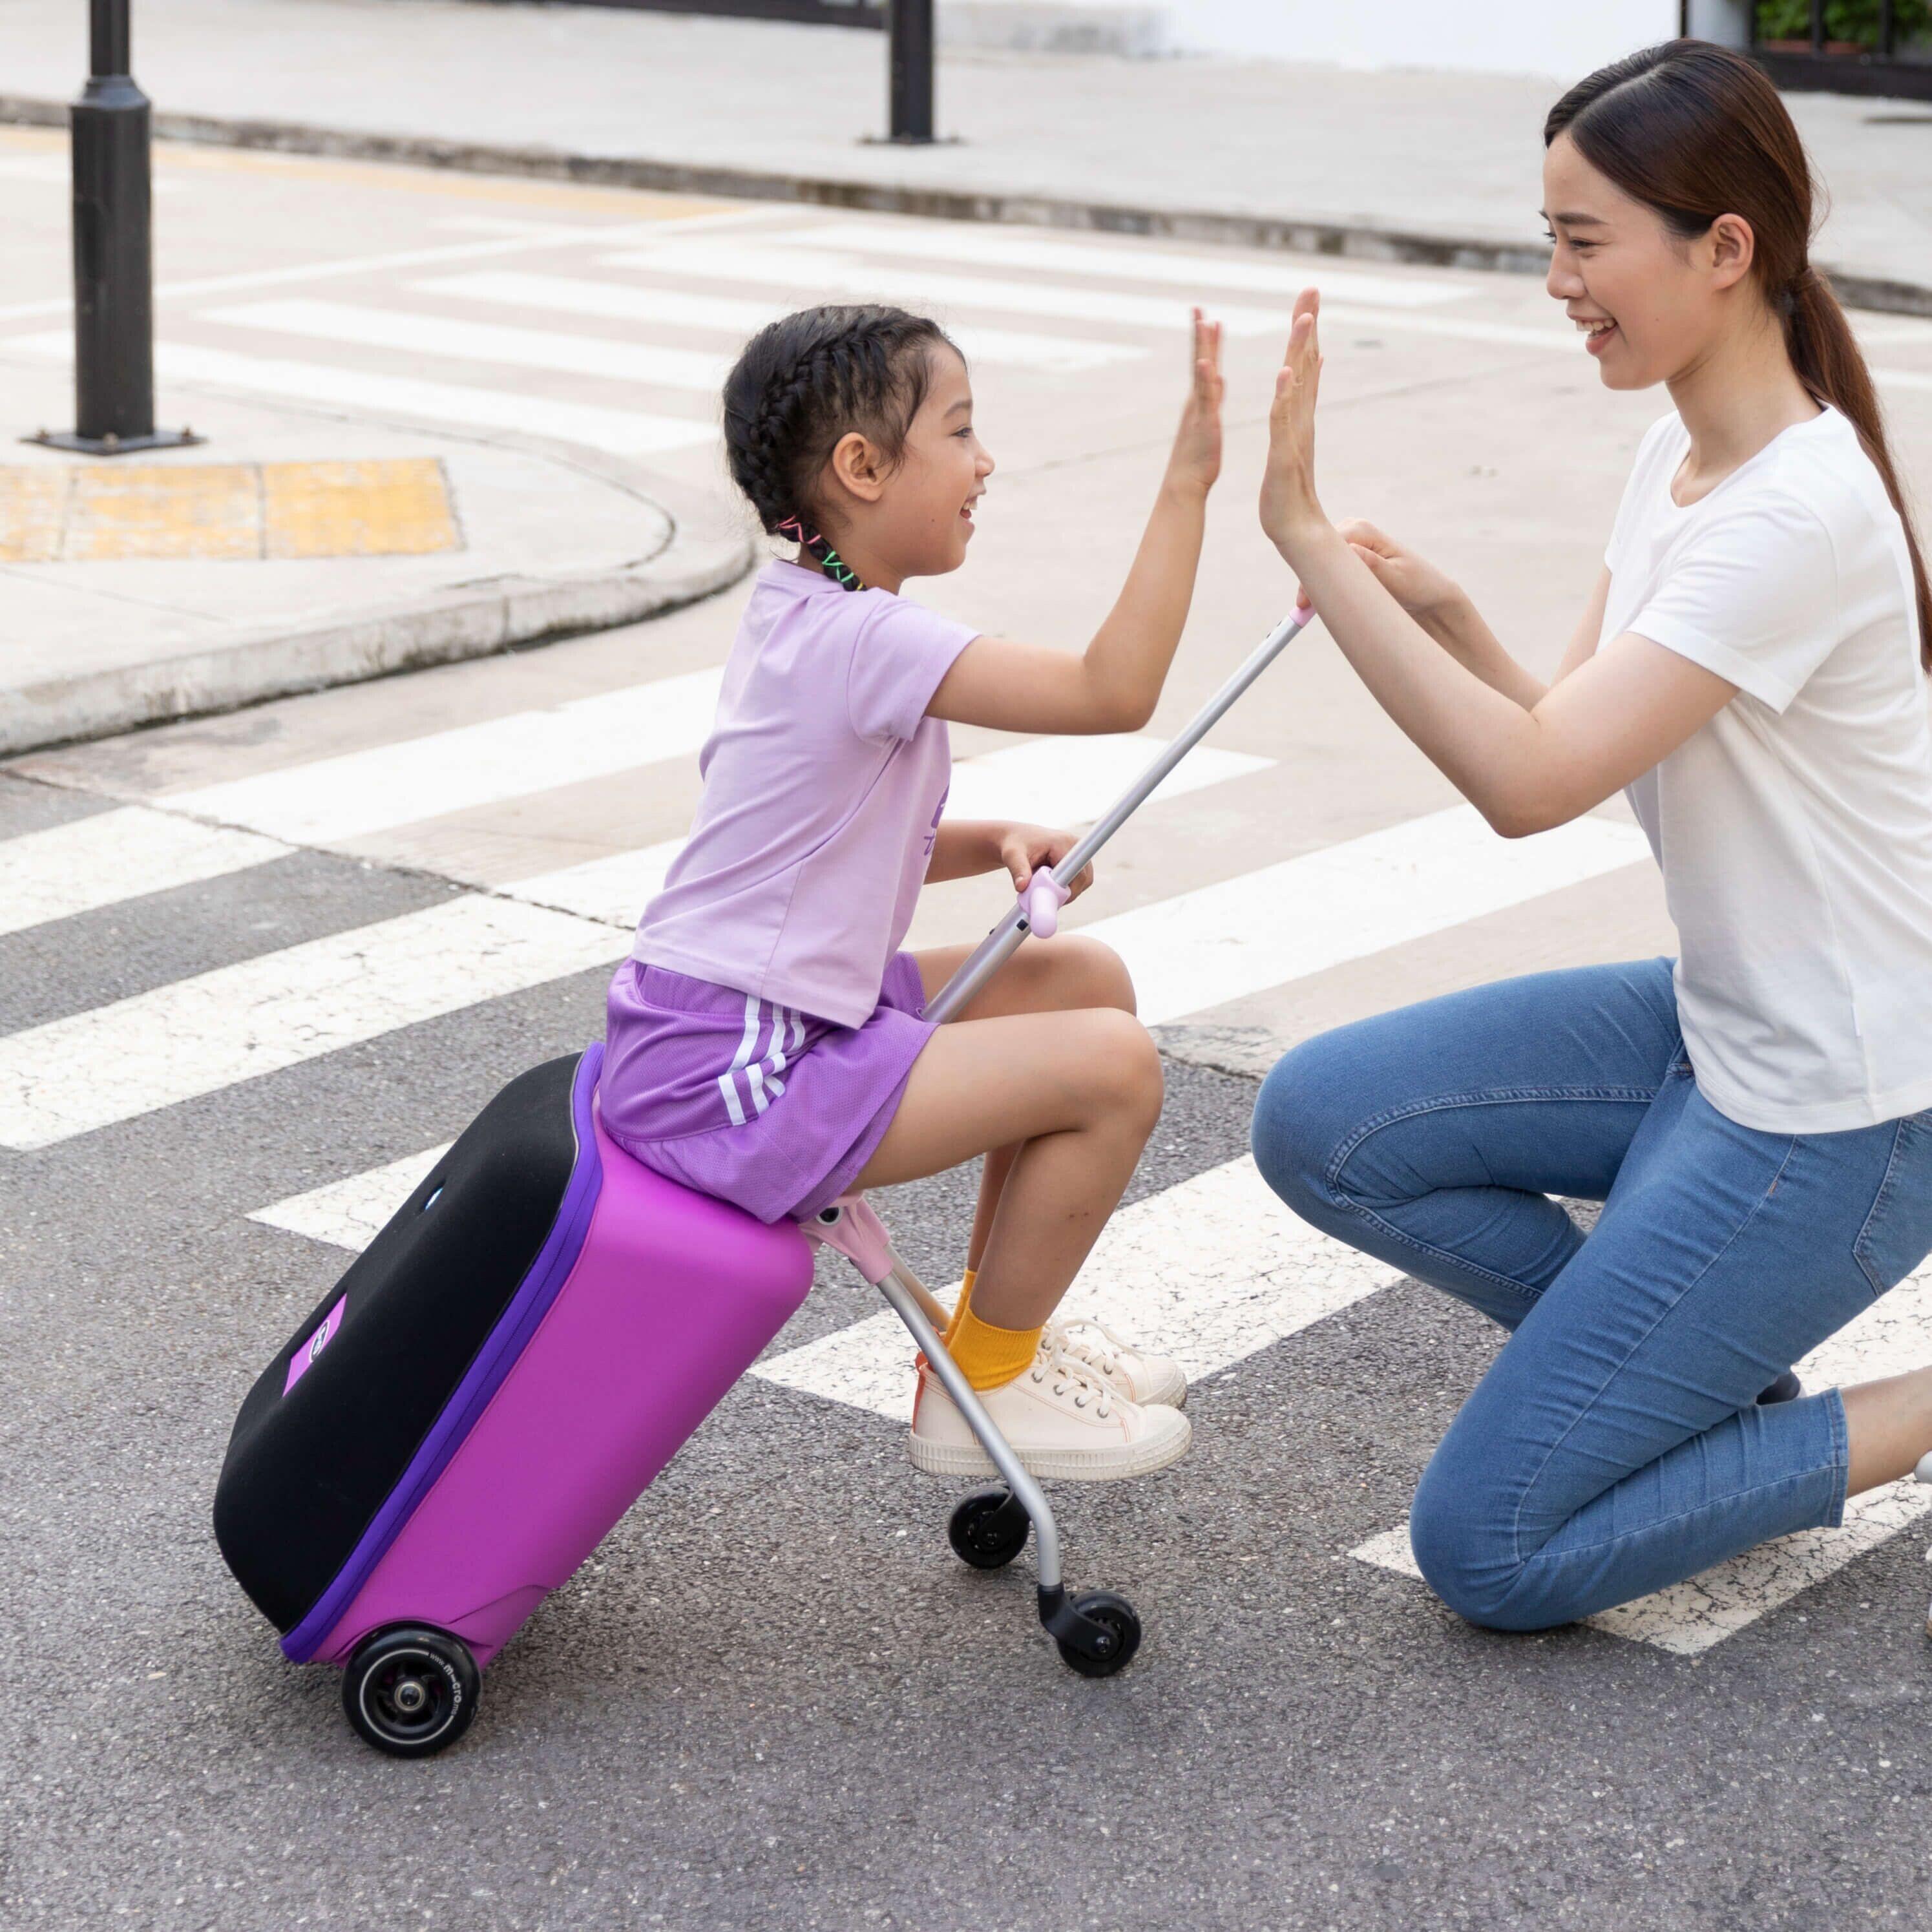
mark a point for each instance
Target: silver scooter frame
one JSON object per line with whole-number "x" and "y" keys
{"x": 1096, "y": 1633}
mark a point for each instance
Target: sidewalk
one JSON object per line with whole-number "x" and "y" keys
{"x": 299, "y": 549}
{"x": 1410, "y": 165}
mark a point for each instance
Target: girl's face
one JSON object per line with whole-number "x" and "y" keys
{"x": 923, "y": 518}
{"x": 1650, "y": 304}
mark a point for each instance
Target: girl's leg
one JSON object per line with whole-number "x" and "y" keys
{"x": 1433, "y": 1137}
{"x": 1078, "y": 1094}
{"x": 1059, "y": 975}
{"x": 1614, "y": 1447}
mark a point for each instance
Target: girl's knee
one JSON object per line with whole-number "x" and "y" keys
{"x": 1085, "y": 972}
{"x": 1124, "y": 1065}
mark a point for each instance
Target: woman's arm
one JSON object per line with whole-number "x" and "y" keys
{"x": 1115, "y": 684}
{"x": 1612, "y": 715}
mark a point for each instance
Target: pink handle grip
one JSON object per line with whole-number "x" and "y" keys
{"x": 1044, "y": 895}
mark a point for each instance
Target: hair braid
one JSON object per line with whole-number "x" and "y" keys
{"x": 806, "y": 381}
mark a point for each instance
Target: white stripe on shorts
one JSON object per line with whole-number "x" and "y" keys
{"x": 727, "y": 1082}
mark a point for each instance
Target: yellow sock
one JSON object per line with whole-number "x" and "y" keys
{"x": 990, "y": 1357}
{"x": 959, "y": 1306}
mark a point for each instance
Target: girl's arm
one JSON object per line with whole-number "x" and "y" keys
{"x": 1115, "y": 684}
{"x": 964, "y": 847}
{"x": 1610, "y": 717}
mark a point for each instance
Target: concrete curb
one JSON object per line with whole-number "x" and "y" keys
{"x": 1360, "y": 241}
{"x": 704, "y": 553}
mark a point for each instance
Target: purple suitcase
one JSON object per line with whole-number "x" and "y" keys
{"x": 461, "y": 1422}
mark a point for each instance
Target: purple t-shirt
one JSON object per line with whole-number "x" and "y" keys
{"x": 824, "y": 783}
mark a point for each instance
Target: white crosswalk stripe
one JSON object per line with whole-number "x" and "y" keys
{"x": 828, "y": 275}
{"x": 194, "y": 1037}
{"x": 331, "y": 799}
{"x": 350, "y": 1213}
{"x": 661, "y": 307}
{"x": 423, "y": 335}
{"x": 1209, "y": 1271}
{"x": 620, "y": 432}
{"x": 1068, "y": 253}
{"x": 1893, "y": 1335}
{"x": 111, "y": 856}
{"x": 1286, "y": 921}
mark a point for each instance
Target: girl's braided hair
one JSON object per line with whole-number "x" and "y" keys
{"x": 809, "y": 379}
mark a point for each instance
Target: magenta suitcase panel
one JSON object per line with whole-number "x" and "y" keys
{"x": 672, "y": 1298}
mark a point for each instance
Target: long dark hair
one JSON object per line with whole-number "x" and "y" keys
{"x": 1694, "y": 131}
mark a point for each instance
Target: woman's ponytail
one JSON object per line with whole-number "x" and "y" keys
{"x": 1694, "y": 131}
{"x": 1831, "y": 365}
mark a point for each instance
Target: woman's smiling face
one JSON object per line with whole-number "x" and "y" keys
{"x": 1649, "y": 302}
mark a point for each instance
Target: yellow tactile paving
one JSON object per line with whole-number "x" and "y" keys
{"x": 210, "y": 511}
{"x": 226, "y": 511}
{"x": 395, "y": 509}
{"x": 33, "y": 505}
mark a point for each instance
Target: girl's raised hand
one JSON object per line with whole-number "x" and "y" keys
{"x": 1289, "y": 503}
{"x": 1196, "y": 460}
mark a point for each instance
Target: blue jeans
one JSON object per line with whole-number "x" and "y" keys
{"x": 1615, "y": 1445}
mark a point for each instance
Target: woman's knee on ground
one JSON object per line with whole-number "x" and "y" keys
{"x": 1462, "y": 1530}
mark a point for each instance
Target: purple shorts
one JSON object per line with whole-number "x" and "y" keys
{"x": 755, "y": 1103}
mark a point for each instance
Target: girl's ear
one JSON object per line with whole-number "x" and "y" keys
{"x": 1733, "y": 248}
{"x": 856, "y": 466}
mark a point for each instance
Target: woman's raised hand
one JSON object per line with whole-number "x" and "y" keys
{"x": 1289, "y": 503}
{"x": 1196, "y": 460}
{"x": 1424, "y": 591}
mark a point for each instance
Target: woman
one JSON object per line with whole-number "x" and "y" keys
{"x": 1757, "y": 1123}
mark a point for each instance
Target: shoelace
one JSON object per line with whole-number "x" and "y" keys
{"x": 1055, "y": 1359}
{"x": 1060, "y": 1334}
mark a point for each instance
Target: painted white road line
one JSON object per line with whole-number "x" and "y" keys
{"x": 621, "y": 432}
{"x": 449, "y": 336}
{"x": 826, "y": 275}
{"x": 357, "y": 793}
{"x": 1070, "y": 253}
{"x": 1065, "y": 781}
{"x": 1053, "y": 781}
{"x": 1209, "y": 1271}
{"x": 153, "y": 1049}
{"x": 101, "y": 860}
{"x": 744, "y": 315}
{"x": 1894, "y": 1335}
{"x": 610, "y": 235}
{"x": 614, "y": 889}
{"x": 350, "y": 1213}
{"x": 1303, "y": 915}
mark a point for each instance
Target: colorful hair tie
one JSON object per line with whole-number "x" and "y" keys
{"x": 809, "y": 541}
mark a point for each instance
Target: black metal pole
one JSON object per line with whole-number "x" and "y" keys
{"x": 912, "y": 62}
{"x": 113, "y": 265}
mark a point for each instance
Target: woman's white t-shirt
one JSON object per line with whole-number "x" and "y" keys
{"x": 1794, "y": 830}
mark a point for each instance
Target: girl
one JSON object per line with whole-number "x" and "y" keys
{"x": 1757, "y": 1119}
{"x": 766, "y": 1040}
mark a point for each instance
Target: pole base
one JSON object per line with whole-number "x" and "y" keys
{"x": 912, "y": 140}
{"x": 114, "y": 445}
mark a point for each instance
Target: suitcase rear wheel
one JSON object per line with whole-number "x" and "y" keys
{"x": 411, "y": 1691}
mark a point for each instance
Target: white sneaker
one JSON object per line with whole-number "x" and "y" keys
{"x": 1128, "y": 1371}
{"x": 1062, "y": 1421}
